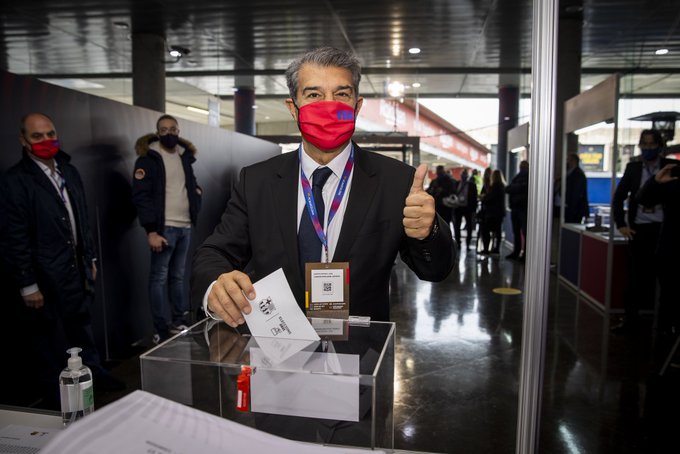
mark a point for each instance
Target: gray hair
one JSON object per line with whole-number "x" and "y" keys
{"x": 324, "y": 56}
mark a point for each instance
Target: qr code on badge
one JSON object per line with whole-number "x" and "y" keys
{"x": 327, "y": 286}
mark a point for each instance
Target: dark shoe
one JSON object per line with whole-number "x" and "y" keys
{"x": 484, "y": 251}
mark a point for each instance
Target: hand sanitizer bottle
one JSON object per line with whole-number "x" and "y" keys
{"x": 75, "y": 387}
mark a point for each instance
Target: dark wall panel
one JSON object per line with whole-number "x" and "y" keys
{"x": 100, "y": 135}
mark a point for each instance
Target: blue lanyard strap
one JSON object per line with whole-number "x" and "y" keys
{"x": 335, "y": 204}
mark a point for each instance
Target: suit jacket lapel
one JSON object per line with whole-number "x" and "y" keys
{"x": 42, "y": 179}
{"x": 285, "y": 193}
{"x": 362, "y": 191}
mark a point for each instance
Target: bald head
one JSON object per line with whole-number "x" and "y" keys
{"x": 36, "y": 127}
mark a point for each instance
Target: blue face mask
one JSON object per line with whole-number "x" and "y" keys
{"x": 169, "y": 141}
{"x": 650, "y": 154}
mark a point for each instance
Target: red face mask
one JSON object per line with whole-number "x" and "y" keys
{"x": 45, "y": 149}
{"x": 326, "y": 124}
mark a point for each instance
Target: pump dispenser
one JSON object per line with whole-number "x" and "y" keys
{"x": 75, "y": 387}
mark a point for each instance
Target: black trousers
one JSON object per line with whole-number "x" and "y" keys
{"x": 643, "y": 271}
{"x": 518, "y": 217}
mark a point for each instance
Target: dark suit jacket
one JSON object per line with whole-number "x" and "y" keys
{"x": 37, "y": 241}
{"x": 259, "y": 230}
{"x": 576, "y": 203}
{"x": 668, "y": 194}
{"x": 627, "y": 189}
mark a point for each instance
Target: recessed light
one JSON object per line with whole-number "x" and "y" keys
{"x": 415, "y": 84}
{"x": 197, "y": 110}
{"x": 121, "y": 25}
{"x": 661, "y": 51}
{"x": 414, "y": 50}
{"x": 254, "y": 106}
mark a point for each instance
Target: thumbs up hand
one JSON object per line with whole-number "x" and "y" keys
{"x": 419, "y": 208}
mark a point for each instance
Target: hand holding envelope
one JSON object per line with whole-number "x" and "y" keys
{"x": 273, "y": 312}
{"x": 227, "y": 298}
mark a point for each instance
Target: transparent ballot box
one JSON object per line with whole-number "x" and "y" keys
{"x": 336, "y": 391}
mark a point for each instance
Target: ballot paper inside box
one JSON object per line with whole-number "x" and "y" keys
{"x": 330, "y": 392}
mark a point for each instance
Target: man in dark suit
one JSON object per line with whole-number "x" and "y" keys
{"x": 382, "y": 210}
{"x": 664, "y": 188}
{"x": 576, "y": 198}
{"x": 48, "y": 250}
{"x": 641, "y": 227}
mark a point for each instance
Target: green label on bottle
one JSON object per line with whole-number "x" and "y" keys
{"x": 88, "y": 396}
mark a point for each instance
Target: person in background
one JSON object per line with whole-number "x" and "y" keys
{"x": 482, "y": 231}
{"x": 641, "y": 226}
{"x": 478, "y": 180}
{"x": 168, "y": 199}
{"x": 664, "y": 189}
{"x": 494, "y": 212}
{"x": 518, "y": 190}
{"x": 47, "y": 247}
{"x": 576, "y": 199}
{"x": 467, "y": 196}
{"x": 380, "y": 210}
{"x": 442, "y": 186}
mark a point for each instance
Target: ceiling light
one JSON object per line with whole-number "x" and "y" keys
{"x": 416, "y": 85}
{"x": 414, "y": 50}
{"x": 661, "y": 51}
{"x": 197, "y": 110}
{"x": 395, "y": 89}
{"x": 254, "y": 106}
{"x": 121, "y": 25}
{"x": 178, "y": 51}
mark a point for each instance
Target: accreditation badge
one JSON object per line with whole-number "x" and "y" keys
{"x": 327, "y": 290}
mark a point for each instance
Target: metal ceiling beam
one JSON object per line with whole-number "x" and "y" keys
{"x": 364, "y": 71}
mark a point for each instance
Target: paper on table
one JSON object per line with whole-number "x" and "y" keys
{"x": 141, "y": 422}
{"x": 276, "y": 313}
{"x": 24, "y": 439}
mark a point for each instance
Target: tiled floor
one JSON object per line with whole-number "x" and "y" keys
{"x": 457, "y": 370}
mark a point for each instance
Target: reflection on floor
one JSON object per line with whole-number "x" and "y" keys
{"x": 458, "y": 356}
{"x": 457, "y": 369}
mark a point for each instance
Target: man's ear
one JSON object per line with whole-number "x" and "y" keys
{"x": 292, "y": 109}
{"x": 360, "y": 102}
{"x": 24, "y": 143}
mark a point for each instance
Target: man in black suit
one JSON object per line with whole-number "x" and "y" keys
{"x": 664, "y": 188}
{"x": 576, "y": 199}
{"x": 383, "y": 209}
{"x": 641, "y": 227}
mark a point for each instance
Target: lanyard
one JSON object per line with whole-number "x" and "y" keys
{"x": 335, "y": 204}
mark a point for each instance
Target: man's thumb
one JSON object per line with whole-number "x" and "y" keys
{"x": 419, "y": 179}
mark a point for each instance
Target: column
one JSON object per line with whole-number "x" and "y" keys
{"x": 508, "y": 112}
{"x": 244, "y": 114}
{"x": 148, "y": 71}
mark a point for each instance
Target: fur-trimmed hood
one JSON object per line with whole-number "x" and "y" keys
{"x": 142, "y": 144}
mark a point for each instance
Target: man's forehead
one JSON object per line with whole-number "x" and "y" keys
{"x": 167, "y": 122}
{"x": 38, "y": 122}
{"x": 316, "y": 75}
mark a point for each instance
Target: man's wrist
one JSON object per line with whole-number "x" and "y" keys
{"x": 434, "y": 232}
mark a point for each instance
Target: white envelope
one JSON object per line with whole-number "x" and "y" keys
{"x": 276, "y": 313}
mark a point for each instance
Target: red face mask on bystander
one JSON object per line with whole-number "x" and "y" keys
{"x": 45, "y": 149}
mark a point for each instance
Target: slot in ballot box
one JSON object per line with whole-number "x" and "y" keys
{"x": 336, "y": 391}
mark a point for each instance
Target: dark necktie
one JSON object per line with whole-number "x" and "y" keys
{"x": 309, "y": 244}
